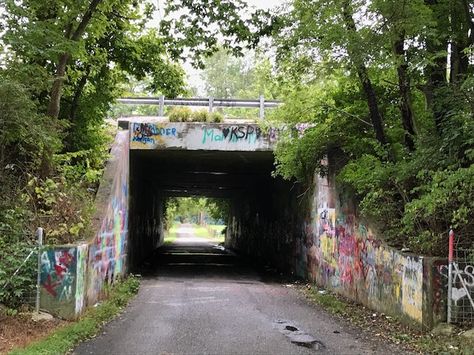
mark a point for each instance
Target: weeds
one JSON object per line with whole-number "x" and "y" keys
{"x": 66, "y": 338}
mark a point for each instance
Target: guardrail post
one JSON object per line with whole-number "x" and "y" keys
{"x": 39, "y": 233}
{"x": 162, "y": 106}
{"x": 211, "y": 103}
{"x": 450, "y": 275}
{"x": 262, "y": 107}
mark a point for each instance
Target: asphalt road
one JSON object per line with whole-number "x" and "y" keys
{"x": 197, "y": 298}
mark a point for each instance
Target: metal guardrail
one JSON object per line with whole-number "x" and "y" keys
{"x": 210, "y": 102}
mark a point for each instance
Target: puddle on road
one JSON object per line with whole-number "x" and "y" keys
{"x": 297, "y": 336}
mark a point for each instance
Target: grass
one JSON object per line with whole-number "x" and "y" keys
{"x": 212, "y": 232}
{"x": 329, "y": 302}
{"x": 390, "y": 328}
{"x": 66, "y": 338}
{"x": 171, "y": 234}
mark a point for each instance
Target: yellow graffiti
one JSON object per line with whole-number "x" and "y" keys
{"x": 328, "y": 250}
{"x": 412, "y": 289}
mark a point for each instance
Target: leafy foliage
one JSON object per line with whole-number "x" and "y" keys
{"x": 63, "y": 65}
{"x": 414, "y": 184}
{"x": 195, "y": 209}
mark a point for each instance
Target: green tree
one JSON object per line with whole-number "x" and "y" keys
{"x": 224, "y": 75}
{"x": 392, "y": 55}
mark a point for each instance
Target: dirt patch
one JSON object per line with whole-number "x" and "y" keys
{"x": 20, "y": 330}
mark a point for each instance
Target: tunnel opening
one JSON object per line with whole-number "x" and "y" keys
{"x": 262, "y": 218}
{"x": 201, "y": 217}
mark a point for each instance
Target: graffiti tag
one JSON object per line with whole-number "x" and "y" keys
{"x": 145, "y": 132}
{"x": 232, "y": 134}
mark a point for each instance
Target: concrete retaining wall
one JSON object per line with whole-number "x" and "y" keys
{"x": 342, "y": 253}
{"x": 73, "y": 277}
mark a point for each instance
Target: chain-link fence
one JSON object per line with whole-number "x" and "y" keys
{"x": 461, "y": 279}
{"x": 19, "y": 265}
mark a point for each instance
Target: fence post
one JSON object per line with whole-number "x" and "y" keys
{"x": 262, "y": 107}
{"x": 211, "y": 103}
{"x": 450, "y": 275}
{"x": 162, "y": 106}
{"x": 39, "y": 233}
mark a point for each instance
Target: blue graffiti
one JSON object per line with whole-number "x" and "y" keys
{"x": 144, "y": 132}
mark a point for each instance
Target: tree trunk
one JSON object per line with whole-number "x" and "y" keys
{"x": 363, "y": 75}
{"x": 461, "y": 24}
{"x": 436, "y": 72}
{"x": 77, "y": 95}
{"x": 405, "y": 93}
{"x": 56, "y": 91}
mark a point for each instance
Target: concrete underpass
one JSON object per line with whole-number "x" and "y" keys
{"x": 263, "y": 208}
{"x": 197, "y": 297}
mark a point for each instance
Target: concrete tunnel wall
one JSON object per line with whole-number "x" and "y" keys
{"x": 73, "y": 277}
{"x": 265, "y": 223}
{"x": 263, "y": 209}
{"x": 343, "y": 252}
{"x": 146, "y": 214}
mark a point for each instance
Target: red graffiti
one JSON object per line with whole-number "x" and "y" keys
{"x": 50, "y": 286}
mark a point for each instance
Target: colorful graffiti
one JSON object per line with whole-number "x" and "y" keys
{"x": 58, "y": 272}
{"x": 248, "y": 133}
{"x": 412, "y": 292}
{"x": 80, "y": 277}
{"x": 149, "y": 133}
{"x": 108, "y": 251}
{"x": 343, "y": 254}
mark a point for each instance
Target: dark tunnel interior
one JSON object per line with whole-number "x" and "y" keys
{"x": 263, "y": 216}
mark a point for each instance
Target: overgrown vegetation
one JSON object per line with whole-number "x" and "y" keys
{"x": 64, "y": 339}
{"x": 198, "y": 210}
{"x": 185, "y": 114}
{"x": 397, "y": 123}
{"x": 62, "y": 66}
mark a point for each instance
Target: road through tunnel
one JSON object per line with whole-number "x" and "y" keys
{"x": 262, "y": 218}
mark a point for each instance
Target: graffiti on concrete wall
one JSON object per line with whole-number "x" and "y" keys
{"x": 80, "y": 276}
{"x": 108, "y": 251}
{"x": 197, "y": 136}
{"x": 238, "y": 133}
{"x": 343, "y": 254}
{"x": 412, "y": 287}
{"x": 462, "y": 281}
{"x": 150, "y": 133}
{"x": 58, "y": 273}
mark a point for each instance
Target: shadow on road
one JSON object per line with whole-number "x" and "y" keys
{"x": 192, "y": 257}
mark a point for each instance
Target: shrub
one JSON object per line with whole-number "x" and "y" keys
{"x": 180, "y": 114}
{"x": 216, "y": 117}
{"x": 200, "y": 116}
